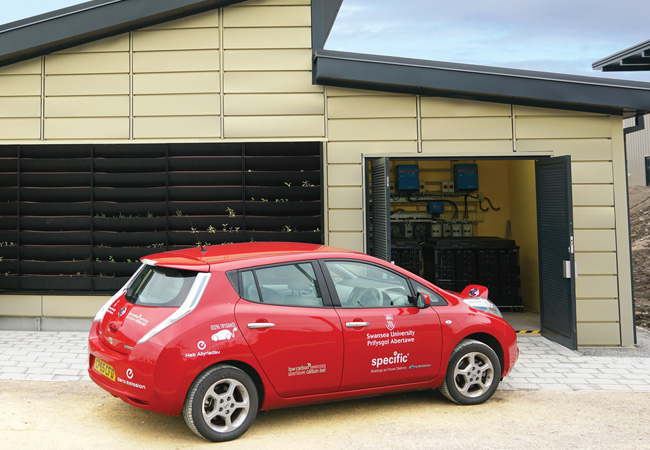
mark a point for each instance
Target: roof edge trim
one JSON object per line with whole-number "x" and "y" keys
{"x": 483, "y": 83}
{"x": 618, "y": 56}
{"x": 484, "y": 70}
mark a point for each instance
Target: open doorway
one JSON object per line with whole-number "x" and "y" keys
{"x": 463, "y": 221}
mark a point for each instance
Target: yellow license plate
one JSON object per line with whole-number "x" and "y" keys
{"x": 103, "y": 368}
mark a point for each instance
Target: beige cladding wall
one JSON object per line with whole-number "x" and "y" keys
{"x": 20, "y": 101}
{"x": 366, "y": 123}
{"x": 595, "y": 144}
{"x": 77, "y": 306}
{"x": 267, "y": 72}
{"x": 244, "y": 73}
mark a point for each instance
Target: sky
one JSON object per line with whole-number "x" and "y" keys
{"x": 564, "y": 36}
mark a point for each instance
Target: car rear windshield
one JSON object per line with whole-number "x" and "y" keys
{"x": 160, "y": 286}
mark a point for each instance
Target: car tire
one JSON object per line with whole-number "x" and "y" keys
{"x": 221, "y": 404}
{"x": 473, "y": 373}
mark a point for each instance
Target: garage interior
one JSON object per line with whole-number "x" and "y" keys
{"x": 459, "y": 222}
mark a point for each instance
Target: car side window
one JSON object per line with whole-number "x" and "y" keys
{"x": 436, "y": 299}
{"x": 290, "y": 285}
{"x": 361, "y": 285}
{"x": 249, "y": 286}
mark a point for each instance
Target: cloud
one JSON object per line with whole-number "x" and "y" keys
{"x": 550, "y": 35}
{"x": 11, "y": 11}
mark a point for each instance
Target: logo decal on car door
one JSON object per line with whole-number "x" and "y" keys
{"x": 224, "y": 335}
{"x": 389, "y": 322}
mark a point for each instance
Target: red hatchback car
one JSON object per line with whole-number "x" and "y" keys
{"x": 221, "y": 332}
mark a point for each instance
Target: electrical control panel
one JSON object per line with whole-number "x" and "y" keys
{"x": 466, "y": 177}
{"x": 408, "y": 230}
{"x": 447, "y": 187}
{"x": 435, "y": 202}
{"x": 436, "y": 230}
{"x": 436, "y": 207}
{"x": 408, "y": 177}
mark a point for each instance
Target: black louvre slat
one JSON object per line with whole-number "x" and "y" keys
{"x": 60, "y": 179}
{"x": 129, "y": 165}
{"x": 152, "y": 179}
{"x": 203, "y": 163}
{"x": 127, "y": 195}
{"x": 206, "y": 178}
{"x": 279, "y": 194}
{"x": 279, "y": 163}
{"x": 380, "y": 210}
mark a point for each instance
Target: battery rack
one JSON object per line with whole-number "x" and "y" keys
{"x": 492, "y": 262}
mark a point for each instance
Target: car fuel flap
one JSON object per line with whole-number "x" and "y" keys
{"x": 124, "y": 323}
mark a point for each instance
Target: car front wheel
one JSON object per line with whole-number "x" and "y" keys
{"x": 473, "y": 373}
{"x": 221, "y": 404}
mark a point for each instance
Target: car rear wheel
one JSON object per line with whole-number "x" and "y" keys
{"x": 221, "y": 404}
{"x": 473, "y": 373}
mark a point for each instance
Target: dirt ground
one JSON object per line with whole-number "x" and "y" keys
{"x": 640, "y": 234}
{"x": 50, "y": 415}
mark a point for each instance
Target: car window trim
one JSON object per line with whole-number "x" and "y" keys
{"x": 257, "y": 286}
{"x": 415, "y": 289}
{"x": 233, "y": 277}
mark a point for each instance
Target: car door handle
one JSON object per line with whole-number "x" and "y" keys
{"x": 357, "y": 324}
{"x": 256, "y": 325}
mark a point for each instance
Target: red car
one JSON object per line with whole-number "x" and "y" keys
{"x": 221, "y": 332}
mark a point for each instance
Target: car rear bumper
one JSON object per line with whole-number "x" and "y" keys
{"x": 513, "y": 355}
{"x": 131, "y": 377}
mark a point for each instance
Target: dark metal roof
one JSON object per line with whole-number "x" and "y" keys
{"x": 323, "y": 15}
{"x": 98, "y": 19}
{"x": 635, "y": 58}
{"x": 494, "y": 84}
{"x": 330, "y": 11}
{"x": 90, "y": 21}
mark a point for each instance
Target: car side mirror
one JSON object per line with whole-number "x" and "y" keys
{"x": 423, "y": 300}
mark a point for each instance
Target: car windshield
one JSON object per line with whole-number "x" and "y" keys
{"x": 160, "y": 286}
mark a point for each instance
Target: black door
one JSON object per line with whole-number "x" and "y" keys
{"x": 379, "y": 242}
{"x": 556, "y": 257}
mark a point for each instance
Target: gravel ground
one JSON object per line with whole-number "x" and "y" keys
{"x": 37, "y": 415}
{"x": 640, "y": 237}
